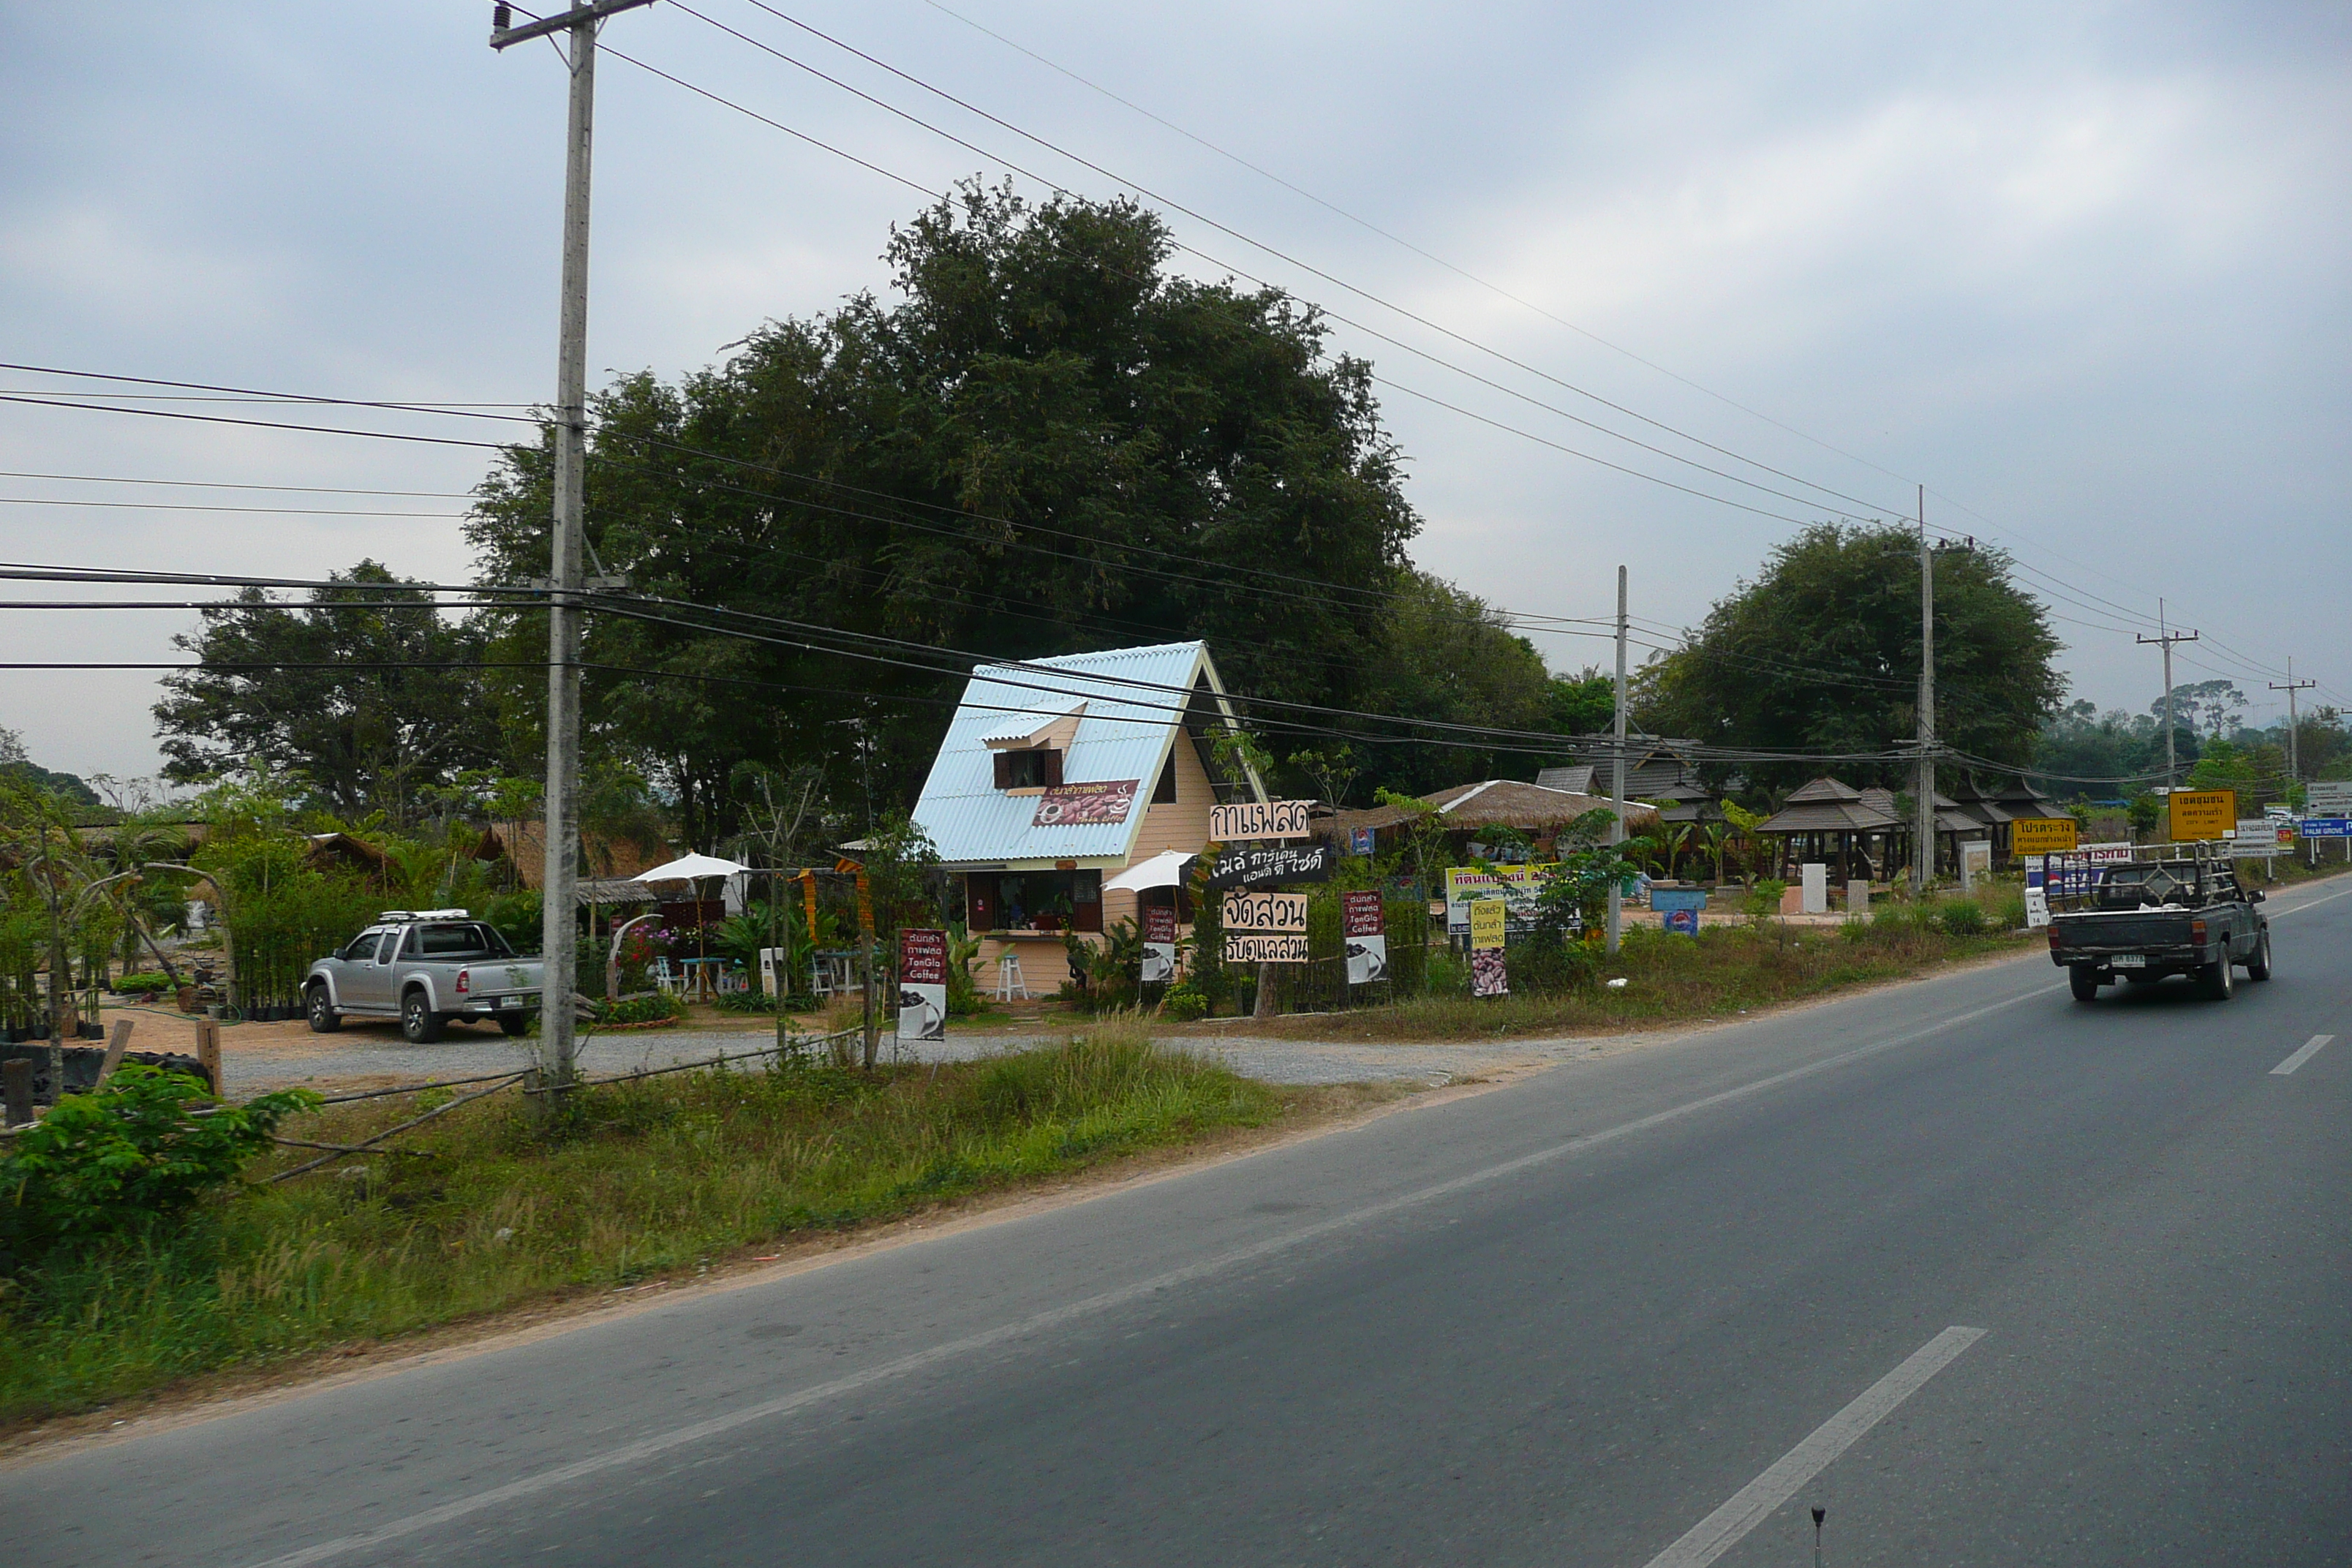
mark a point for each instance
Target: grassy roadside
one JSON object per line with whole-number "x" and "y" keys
{"x": 472, "y": 1216}
{"x": 1724, "y": 970}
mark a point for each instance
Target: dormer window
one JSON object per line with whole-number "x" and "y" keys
{"x": 1032, "y": 769}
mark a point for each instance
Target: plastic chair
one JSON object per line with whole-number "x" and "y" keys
{"x": 664, "y": 978}
{"x": 820, "y": 978}
{"x": 1009, "y": 980}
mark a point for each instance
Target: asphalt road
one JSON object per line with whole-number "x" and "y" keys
{"x": 1992, "y": 1276}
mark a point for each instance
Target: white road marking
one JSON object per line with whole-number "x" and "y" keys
{"x": 635, "y": 1454}
{"x": 2340, "y": 893}
{"x": 2303, "y": 1053}
{"x": 1757, "y": 1501}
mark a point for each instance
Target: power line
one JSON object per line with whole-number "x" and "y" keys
{"x": 179, "y": 506}
{"x": 228, "y": 484}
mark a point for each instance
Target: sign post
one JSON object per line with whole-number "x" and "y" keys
{"x": 1364, "y": 925}
{"x": 1159, "y": 944}
{"x": 1488, "y": 975}
{"x": 922, "y": 985}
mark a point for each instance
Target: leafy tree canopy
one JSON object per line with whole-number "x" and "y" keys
{"x": 1821, "y": 654}
{"x": 15, "y": 765}
{"x": 367, "y": 708}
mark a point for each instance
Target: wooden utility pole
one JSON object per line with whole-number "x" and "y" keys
{"x": 559, "y": 917}
{"x": 1617, "y": 776}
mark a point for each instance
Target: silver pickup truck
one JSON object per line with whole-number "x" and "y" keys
{"x": 426, "y": 968}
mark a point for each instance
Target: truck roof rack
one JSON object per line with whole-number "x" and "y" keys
{"x": 426, "y": 915}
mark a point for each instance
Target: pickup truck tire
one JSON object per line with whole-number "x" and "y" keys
{"x": 419, "y": 1024}
{"x": 319, "y": 1009}
{"x": 2220, "y": 979}
{"x": 2259, "y": 966}
{"x": 2084, "y": 981}
{"x": 513, "y": 1024}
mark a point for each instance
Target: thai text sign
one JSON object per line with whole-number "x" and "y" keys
{"x": 922, "y": 985}
{"x": 2040, "y": 835}
{"x": 1082, "y": 805}
{"x": 2260, "y": 835}
{"x": 1256, "y": 864}
{"x": 1159, "y": 944}
{"x": 2201, "y": 813}
{"x": 1284, "y": 912}
{"x": 2325, "y": 827}
{"x": 1257, "y": 819}
{"x": 1364, "y": 924}
{"x": 1517, "y": 885}
{"x": 2328, "y": 797}
{"x": 1487, "y": 924}
{"x": 1264, "y": 947}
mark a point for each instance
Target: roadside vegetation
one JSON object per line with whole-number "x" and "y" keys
{"x": 1724, "y": 971}
{"x": 476, "y": 1212}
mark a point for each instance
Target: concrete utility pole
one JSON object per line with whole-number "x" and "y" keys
{"x": 1617, "y": 779}
{"x": 2294, "y": 748}
{"x": 1923, "y": 857}
{"x": 559, "y": 918}
{"x": 2165, "y": 636}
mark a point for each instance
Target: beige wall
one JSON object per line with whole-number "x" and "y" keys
{"x": 1180, "y": 824}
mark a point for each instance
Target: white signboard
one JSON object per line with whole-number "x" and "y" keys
{"x": 1280, "y": 912}
{"x": 1257, "y": 819}
{"x": 2329, "y": 797}
{"x": 2260, "y": 836}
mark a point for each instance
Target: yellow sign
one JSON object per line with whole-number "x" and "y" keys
{"x": 1485, "y": 924}
{"x": 2202, "y": 813}
{"x": 2040, "y": 835}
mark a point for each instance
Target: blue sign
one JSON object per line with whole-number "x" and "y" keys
{"x": 1683, "y": 921}
{"x": 1359, "y": 841}
{"x": 2324, "y": 828}
{"x": 1669, "y": 899}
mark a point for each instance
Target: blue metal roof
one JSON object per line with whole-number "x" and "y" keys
{"x": 1125, "y": 734}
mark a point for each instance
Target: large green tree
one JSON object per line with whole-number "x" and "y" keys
{"x": 370, "y": 707}
{"x": 1046, "y": 443}
{"x": 1821, "y": 654}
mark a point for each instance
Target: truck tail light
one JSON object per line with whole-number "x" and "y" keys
{"x": 2056, "y": 940}
{"x": 464, "y": 981}
{"x": 2197, "y": 932}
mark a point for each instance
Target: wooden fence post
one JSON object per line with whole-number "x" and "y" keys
{"x": 17, "y": 1076}
{"x": 115, "y": 1047}
{"x": 209, "y": 1053}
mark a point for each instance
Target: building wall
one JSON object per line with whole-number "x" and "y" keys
{"x": 1182, "y": 825}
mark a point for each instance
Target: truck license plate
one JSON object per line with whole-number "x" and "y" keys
{"x": 2129, "y": 961}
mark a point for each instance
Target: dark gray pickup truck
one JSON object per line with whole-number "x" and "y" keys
{"x": 2141, "y": 919}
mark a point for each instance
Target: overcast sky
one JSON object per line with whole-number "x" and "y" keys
{"x": 2080, "y": 270}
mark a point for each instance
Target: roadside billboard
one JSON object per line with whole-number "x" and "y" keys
{"x": 1159, "y": 944}
{"x": 1488, "y": 975}
{"x": 2328, "y": 797}
{"x": 2200, "y": 813}
{"x": 2261, "y": 836}
{"x": 1516, "y": 885}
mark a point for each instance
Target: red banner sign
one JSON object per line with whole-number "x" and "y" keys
{"x": 1158, "y": 924}
{"x": 923, "y": 957}
{"x": 1080, "y": 804}
{"x": 1361, "y": 914}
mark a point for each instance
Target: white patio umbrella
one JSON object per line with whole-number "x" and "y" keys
{"x": 1165, "y": 870}
{"x": 690, "y": 866}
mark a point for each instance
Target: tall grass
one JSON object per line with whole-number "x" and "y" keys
{"x": 474, "y": 1214}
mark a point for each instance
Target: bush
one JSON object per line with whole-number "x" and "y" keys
{"x": 745, "y": 1001}
{"x": 1962, "y": 917}
{"x": 144, "y": 984}
{"x": 1446, "y": 974}
{"x": 1184, "y": 1002}
{"x": 2009, "y": 915}
{"x": 658, "y": 1008}
{"x": 125, "y": 1156}
{"x": 1764, "y": 899}
{"x": 1551, "y": 967}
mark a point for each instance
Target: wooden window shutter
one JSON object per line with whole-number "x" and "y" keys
{"x": 1004, "y": 761}
{"x": 1053, "y": 768}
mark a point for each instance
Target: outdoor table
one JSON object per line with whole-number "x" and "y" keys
{"x": 698, "y": 973}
